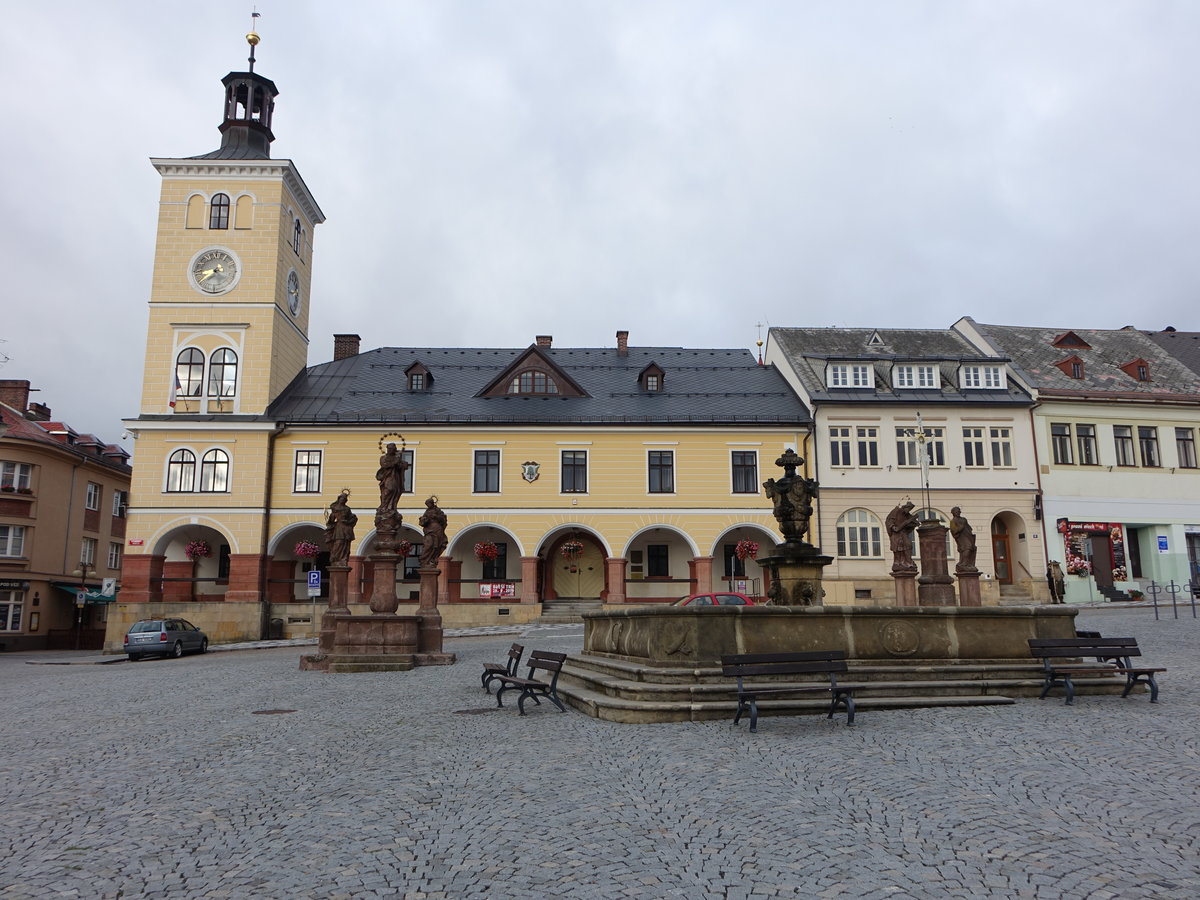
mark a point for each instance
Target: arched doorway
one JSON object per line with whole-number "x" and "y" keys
{"x": 1001, "y": 551}
{"x": 576, "y": 575}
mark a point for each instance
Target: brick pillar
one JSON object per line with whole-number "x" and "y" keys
{"x": 246, "y": 576}
{"x": 451, "y": 570}
{"x": 529, "y": 579}
{"x": 700, "y": 571}
{"x": 614, "y": 578}
{"x": 279, "y": 586}
{"x": 182, "y": 591}
{"x": 141, "y": 578}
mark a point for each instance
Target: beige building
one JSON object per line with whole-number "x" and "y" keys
{"x": 884, "y": 398}
{"x": 63, "y": 500}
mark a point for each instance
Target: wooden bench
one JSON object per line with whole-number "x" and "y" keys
{"x": 1112, "y": 655}
{"x": 491, "y": 671}
{"x": 820, "y": 662}
{"x": 530, "y": 686}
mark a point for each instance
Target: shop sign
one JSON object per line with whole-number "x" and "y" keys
{"x": 497, "y": 589}
{"x": 1162, "y": 543}
{"x": 14, "y": 585}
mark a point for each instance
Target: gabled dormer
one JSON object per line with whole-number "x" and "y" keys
{"x": 651, "y": 378}
{"x": 419, "y": 378}
{"x": 1070, "y": 340}
{"x": 982, "y": 376}
{"x": 533, "y": 374}
{"x": 1138, "y": 369}
{"x": 1072, "y": 366}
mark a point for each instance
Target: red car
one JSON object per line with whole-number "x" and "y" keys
{"x": 722, "y": 598}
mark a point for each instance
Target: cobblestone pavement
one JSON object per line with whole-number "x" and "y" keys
{"x": 235, "y": 775}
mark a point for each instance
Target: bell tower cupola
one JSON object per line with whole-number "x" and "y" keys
{"x": 249, "y": 106}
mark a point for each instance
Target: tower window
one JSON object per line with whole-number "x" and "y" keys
{"x": 214, "y": 471}
{"x": 181, "y": 471}
{"x": 222, "y": 374}
{"x": 218, "y": 212}
{"x": 189, "y": 373}
{"x": 297, "y": 236}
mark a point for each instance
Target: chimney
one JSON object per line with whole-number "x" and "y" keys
{"x": 345, "y": 346}
{"x": 15, "y": 393}
{"x": 622, "y": 343}
{"x": 38, "y": 412}
{"x": 545, "y": 340}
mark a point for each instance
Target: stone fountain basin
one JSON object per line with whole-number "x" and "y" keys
{"x": 680, "y": 636}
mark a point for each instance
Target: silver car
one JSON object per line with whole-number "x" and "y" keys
{"x": 164, "y": 637}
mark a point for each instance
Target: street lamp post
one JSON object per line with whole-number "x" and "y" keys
{"x": 80, "y": 598}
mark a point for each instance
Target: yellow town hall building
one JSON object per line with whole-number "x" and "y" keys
{"x": 571, "y": 476}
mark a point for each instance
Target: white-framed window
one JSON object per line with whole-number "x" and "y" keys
{"x": 852, "y": 375}
{"x": 839, "y": 446}
{"x": 222, "y": 373}
{"x": 1185, "y": 447}
{"x": 120, "y": 503}
{"x": 16, "y": 475}
{"x": 214, "y": 472}
{"x": 12, "y": 540}
{"x": 868, "y": 445}
{"x": 91, "y": 499}
{"x": 87, "y": 551}
{"x": 114, "y": 555}
{"x": 982, "y": 377}
{"x": 1000, "y": 440}
{"x": 308, "y": 472}
{"x": 1060, "y": 443}
{"x": 973, "y": 448}
{"x": 10, "y": 610}
{"x": 914, "y": 377}
{"x": 858, "y": 534}
{"x": 189, "y": 373}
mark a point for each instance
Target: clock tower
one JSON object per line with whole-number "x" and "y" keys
{"x": 232, "y": 269}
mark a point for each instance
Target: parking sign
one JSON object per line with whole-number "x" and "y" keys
{"x": 314, "y": 583}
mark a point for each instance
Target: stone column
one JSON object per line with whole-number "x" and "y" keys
{"x": 529, "y": 577}
{"x": 968, "y": 588}
{"x": 906, "y": 587}
{"x": 430, "y": 640}
{"x": 354, "y": 582}
{"x": 700, "y": 570}
{"x": 338, "y": 600}
{"x": 936, "y": 587}
{"x": 141, "y": 578}
{"x": 614, "y": 578}
{"x": 383, "y": 570}
{"x": 449, "y": 569}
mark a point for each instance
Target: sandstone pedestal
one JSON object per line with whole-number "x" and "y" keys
{"x": 906, "y": 587}
{"x": 936, "y": 587}
{"x": 968, "y": 588}
{"x": 795, "y": 571}
{"x": 429, "y": 642}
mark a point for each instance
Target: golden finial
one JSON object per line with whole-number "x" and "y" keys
{"x": 252, "y": 37}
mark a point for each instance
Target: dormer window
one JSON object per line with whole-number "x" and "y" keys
{"x": 1138, "y": 370}
{"x": 653, "y": 383}
{"x": 1072, "y": 340}
{"x": 986, "y": 378}
{"x": 419, "y": 378}
{"x": 532, "y": 382}
{"x": 850, "y": 375}
{"x": 416, "y": 381}
{"x": 651, "y": 378}
{"x": 1072, "y": 367}
{"x": 913, "y": 377}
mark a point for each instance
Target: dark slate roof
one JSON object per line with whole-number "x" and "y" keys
{"x": 1034, "y": 356}
{"x": 810, "y": 349}
{"x": 699, "y": 387}
{"x": 1183, "y": 345}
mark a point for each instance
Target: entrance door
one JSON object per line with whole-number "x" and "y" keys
{"x": 1193, "y": 548}
{"x": 1101, "y": 548}
{"x": 1001, "y": 553}
{"x": 582, "y": 577}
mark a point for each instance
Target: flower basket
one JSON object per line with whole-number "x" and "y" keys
{"x": 307, "y": 550}
{"x": 571, "y": 549}
{"x": 486, "y": 551}
{"x": 746, "y": 548}
{"x": 197, "y": 550}
{"x": 1078, "y": 565}
{"x": 8, "y": 488}
{"x": 24, "y": 490}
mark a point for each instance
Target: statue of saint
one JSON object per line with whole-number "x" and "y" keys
{"x": 964, "y": 540}
{"x": 433, "y": 523}
{"x": 900, "y": 524}
{"x": 1056, "y": 581}
{"x": 339, "y": 530}
{"x": 792, "y": 496}
{"x": 391, "y": 479}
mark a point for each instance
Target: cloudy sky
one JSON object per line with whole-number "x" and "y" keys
{"x": 682, "y": 170}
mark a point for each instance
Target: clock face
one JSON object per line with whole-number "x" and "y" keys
{"x": 214, "y": 271}
{"x": 293, "y": 291}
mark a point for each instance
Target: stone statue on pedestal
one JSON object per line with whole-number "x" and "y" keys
{"x": 964, "y": 540}
{"x": 1056, "y": 581}
{"x": 792, "y": 496}
{"x": 900, "y": 524}
{"x": 339, "y": 530}
{"x": 433, "y": 522}
{"x": 390, "y": 476}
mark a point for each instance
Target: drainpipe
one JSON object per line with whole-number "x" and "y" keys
{"x": 268, "y": 482}
{"x": 1037, "y": 473}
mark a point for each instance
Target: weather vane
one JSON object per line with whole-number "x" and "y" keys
{"x": 252, "y": 37}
